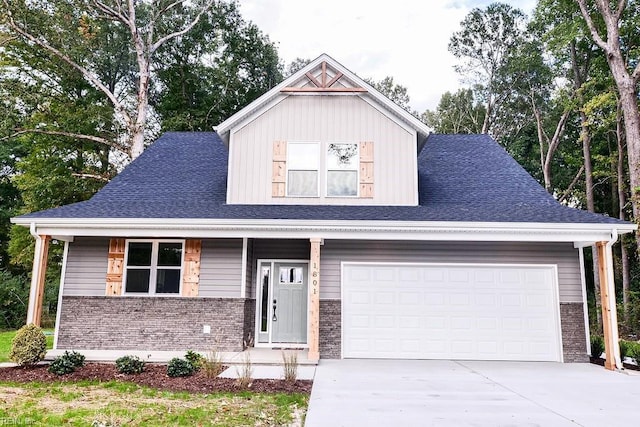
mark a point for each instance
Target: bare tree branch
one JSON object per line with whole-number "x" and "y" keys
{"x": 91, "y": 176}
{"x": 185, "y": 30}
{"x": 92, "y": 138}
{"x": 86, "y": 73}
{"x": 573, "y": 184}
{"x": 592, "y": 28}
{"x": 110, "y": 12}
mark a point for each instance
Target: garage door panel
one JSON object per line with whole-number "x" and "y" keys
{"x": 451, "y": 312}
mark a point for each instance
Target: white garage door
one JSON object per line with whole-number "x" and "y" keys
{"x": 454, "y": 311}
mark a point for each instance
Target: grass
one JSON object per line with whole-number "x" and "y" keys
{"x": 118, "y": 404}
{"x": 5, "y": 344}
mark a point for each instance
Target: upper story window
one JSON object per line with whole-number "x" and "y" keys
{"x": 302, "y": 169}
{"x": 342, "y": 170}
{"x": 153, "y": 267}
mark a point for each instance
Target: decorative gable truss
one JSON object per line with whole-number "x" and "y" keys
{"x": 279, "y": 173}
{"x": 323, "y": 79}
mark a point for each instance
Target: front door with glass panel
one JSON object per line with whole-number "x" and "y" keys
{"x": 281, "y": 301}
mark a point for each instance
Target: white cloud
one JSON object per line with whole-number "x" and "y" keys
{"x": 405, "y": 39}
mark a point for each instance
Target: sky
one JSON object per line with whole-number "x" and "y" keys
{"x": 405, "y": 39}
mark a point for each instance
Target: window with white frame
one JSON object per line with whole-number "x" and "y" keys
{"x": 302, "y": 169}
{"x": 342, "y": 170}
{"x": 153, "y": 267}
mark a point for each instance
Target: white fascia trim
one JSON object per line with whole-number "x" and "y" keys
{"x": 366, "y": 230}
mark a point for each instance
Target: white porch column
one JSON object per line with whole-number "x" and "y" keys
{"x": 314, "y": 299}
{"x": 38, "y": 275}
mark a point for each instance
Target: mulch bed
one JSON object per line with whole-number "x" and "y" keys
{"x": 599, "y": 361}
{"x": 155, "y": 376}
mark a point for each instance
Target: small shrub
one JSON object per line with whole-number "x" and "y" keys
{"x": 597, "y": 345}
{"x": 290, "y": 367}
{"x": 195, "y": 358}
{"x": 179, "y": 368}
{"x": 66, "y": 363}
{"x": 625, "y": 346}
{"x": 77, "y": 359}
{"x": 245, "y": 372}
{"x": 29, "y": 346}
{"x": 212, "y": 365}
{"x": 130, "y": 365}
{"x": 634, "y": 352}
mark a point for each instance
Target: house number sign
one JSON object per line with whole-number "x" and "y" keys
{"x": 314, "y": 278}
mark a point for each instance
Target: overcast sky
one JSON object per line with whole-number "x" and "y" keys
{"x": 405, "y": 39}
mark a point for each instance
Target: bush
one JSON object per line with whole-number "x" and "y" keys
{"x": 212, "y": 366}
{"x": 180, "y": 368}
{"x": 290, "y": 367}
{"x": 625, "y": 346}
{"x": 66, "y": 363}
{"x": 634, "y": 352}
{"x": 130, "y": 365}
{"x": 29, "y": 346}
{"x": 196, "y": 359}
{"x": 597, "y": 345}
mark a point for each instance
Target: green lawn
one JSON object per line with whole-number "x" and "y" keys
{"x": 118, "y": 404}
{"x": 7, "y": 336}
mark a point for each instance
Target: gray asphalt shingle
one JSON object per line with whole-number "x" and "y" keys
{"x": 461, "y": 178}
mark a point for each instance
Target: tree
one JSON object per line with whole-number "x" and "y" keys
{"x": 624, "y": 64}
{"x": 148, "y": 25}
{"x": 457, "y": 112}
{"x": 395, "y": 92}
{"x": 485, "y": 44}
{"x": 208, "y": 74}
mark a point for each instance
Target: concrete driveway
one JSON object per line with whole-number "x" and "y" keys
{"x": 406, "y": 393}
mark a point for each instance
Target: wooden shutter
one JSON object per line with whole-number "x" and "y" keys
{"x": 115, "y": 267}
{"x": 279, "y": 175}
{"x": 191, "y": 268}
{"x": 366, "y": 170}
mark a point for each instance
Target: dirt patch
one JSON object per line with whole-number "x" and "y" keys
{"x": 154, "y": 376}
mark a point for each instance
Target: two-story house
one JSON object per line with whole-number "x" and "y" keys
{"x": 324, "y": 216}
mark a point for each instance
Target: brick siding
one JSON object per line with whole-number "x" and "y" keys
{"x": 573, "y": 333}
{"x": 330, "y": 329}
{"x": 157, "y": 323}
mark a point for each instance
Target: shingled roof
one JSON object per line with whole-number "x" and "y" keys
{"x": 466, "y": 178}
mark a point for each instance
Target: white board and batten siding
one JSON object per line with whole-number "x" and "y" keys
{"x": 220, "y": 267}
{"x": 334, "y": 252}
{"x": 323, "y": 119}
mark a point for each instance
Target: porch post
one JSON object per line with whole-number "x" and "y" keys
{"x": 38, "y": 275}
{"x": 608, "y": 299}
{"x": 314, "y": 300}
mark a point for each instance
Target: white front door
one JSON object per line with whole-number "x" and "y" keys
{"x": 281, "y": 303}
{"x": 451, "y": 311}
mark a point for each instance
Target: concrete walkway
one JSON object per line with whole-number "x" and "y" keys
{"x": 406, "y": 393}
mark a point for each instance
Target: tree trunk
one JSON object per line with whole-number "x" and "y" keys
{"x": 622, "y": 201}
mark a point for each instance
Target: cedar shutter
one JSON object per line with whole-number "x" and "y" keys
{"x": 279, "y": 176}
{"x": 366, "y": 170}
{"x": 191, "y": 268}
{"x": 115, "y": 267}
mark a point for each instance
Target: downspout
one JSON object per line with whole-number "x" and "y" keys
{"x": 612, "y": 300}
{"x": 35, "y": 273}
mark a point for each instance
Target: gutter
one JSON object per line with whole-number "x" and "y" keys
{"x": 612, "y": 298}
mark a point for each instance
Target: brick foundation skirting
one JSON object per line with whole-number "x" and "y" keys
{"x": 573, "y": 333}
{"x": 153, "y": 323}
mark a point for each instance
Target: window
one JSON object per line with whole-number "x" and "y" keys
{"x": 291, "y": 275}
{"x": 153, "y": 267}
{"x": 342, "y": 170}
{"x": 302, "y": 169}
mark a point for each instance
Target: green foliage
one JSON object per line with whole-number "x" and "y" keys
{"x": 395, "y": 92}
{"x": 29, "y": 346}
{"x": 195, "y": 358}
{"x": 634, "y": 351}
{"x": 180, "y": 368}
{"x": 66, "y": 363}
{"x": 597, "y": 345}
{"x": 130, "y": 365}
{"x": 456, "y": 113}
{"x": 625, "y": 346}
